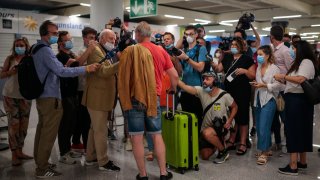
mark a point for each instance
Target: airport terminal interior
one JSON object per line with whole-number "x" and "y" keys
{"x": 219, "y": 19}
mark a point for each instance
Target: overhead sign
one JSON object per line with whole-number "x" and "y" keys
{"x": 143, "y": 8}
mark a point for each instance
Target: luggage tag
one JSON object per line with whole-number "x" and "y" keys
{"x": 232, "y": 76}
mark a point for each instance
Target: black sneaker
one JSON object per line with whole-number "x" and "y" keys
{"x": 109, "y": 167}
{"x": 288, "y": 171}
{"x": 165, "y": 177}
{"x": 92, "y": 162}
{"x": 141, "y": 178}
{"x": 47, "y": 173}
{"x": 253, "y": 131}
{"x": 302, "y": 166}
{"x": 222, "y": 157}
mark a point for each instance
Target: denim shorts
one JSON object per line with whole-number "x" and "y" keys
{"x": 138, "y": 121}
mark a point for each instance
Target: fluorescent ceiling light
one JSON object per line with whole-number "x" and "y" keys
{"x": 75, "y": 15}
{"x": 225, "y": 24}
{"x": 214, "y": 31}
{"x": 254, "y": 28}
{"x": 172, "y": 16}
{"x": 229, "y": 21}
{"x": 309, "y": 37}
{"x": 85, "y": 4}
{"x": 293, "y": 29}
{"x": 315, "y": 25}
{"x": 292, "y": 33}
{"x": 286, "y": 17}
{"x": 202, "y": 20}
{"x": 310, "y": 40}
{"x": 266, "y": 28}
{"x": 127, "y": 8}
{"x": 198, "y": 23}
{"x": 172, "y": 25}
{"x": 310, "y": 33}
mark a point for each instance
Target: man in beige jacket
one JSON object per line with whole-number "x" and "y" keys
{"x": 99, "y": 96}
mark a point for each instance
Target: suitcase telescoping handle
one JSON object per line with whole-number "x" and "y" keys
{"x": 173, "y": 103}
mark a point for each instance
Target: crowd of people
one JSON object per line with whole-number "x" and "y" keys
{"x": 81, "y": 90}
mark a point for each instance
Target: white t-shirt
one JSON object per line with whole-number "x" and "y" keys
{"x": 219, "y": 108}
{"x": 306, "y": 69}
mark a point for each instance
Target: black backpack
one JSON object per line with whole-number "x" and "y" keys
{"x": 30, "y": 86}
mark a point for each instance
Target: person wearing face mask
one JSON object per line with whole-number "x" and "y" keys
{"x": 99, "y": 98}
{"x": 218, "y": 56}
{"x": 49, "y": 105}
{"x": 238, "y": 73}
{"x": 283, "y": 59}
{"x": 68, "y": 87}
{"x": 16, "y": 107}
{"x": 267, "y": 89}
{"x": 193, "y": 62}
{"x": 211, "y": 137}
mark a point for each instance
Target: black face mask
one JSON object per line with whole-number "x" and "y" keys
{"x": 287, "y": 44}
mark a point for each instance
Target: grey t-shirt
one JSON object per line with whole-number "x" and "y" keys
{"x": 219, "y": 109}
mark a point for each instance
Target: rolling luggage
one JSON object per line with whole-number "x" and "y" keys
{"x": 180, "y": 134}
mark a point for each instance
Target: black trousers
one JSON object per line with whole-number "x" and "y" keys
{"x": 82, "y": 124}
{"x": 192, "y": 104}
{"x": 67, "y": 123}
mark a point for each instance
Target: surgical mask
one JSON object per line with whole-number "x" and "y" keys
{"x": 20, "y": 50}
{"x": 169, "y": 46}
{"x": 109, "y": 46}
{"x": 292, "y": 54}
{"x": 260, "y": 59}
{"x": 53, "y": 39}
{"x": 234, "y": 50}
{"x": 207, "y": 89}
{"x": 218, "y": 55}
{"x": 68, "y": 45}
{"x": 190, "y": 39}
{"x": 254, "y": 50}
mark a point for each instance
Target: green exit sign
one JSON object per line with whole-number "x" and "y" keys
{"x": 143, "y": 8}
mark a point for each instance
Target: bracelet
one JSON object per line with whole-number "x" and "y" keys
{"x": 87, "y": 69}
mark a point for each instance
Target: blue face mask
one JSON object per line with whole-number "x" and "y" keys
{"x": 20, "y": 50}
{"x": 254, "y": 50}
{"x": 207, "y": 89}
{"x": 53, "y": 39}
{"x": 234, "y": 50}
{"x": 169, "y": 46}
{"x": 292, "y": 54}
{"x": 260, "y": 59}
{"x": 68, "y": 45}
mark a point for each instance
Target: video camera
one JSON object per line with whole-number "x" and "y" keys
{"x": 245, "y": 21}
{"x": 225, "y": 43}
{"x": 158, "y": 39}
{"x": 117, "y": 22}
{"x": 125, "y": 41}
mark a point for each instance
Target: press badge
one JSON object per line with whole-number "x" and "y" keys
{"x": 217, "y": 107}
{"x": 232, "y": 76}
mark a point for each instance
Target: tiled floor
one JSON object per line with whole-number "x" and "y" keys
{"x": 236, "y": 167}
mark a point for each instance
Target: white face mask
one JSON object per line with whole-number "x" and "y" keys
{"x": 190, "y": 39}
{"x": 109, "y": 46}
{"x": 218, "y": 55}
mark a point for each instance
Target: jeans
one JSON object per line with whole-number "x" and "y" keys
{"x": 264, "y": 118}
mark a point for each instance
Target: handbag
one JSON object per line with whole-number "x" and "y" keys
{"x": 280, "y": 103}
{"x": 311, "y": 88}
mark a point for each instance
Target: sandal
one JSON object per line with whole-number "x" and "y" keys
{"x": 262, "y": 160}
{"x": 240, "y": 151}
{"x": 232, "y": 147}
{"x": 149, "y": 156}
{"x": 268, "y": 154}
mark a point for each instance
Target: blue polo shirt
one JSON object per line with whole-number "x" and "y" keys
{"x": 191, "y": 76}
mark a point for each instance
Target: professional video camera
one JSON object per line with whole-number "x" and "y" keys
{"x": 245, "y": 21}
{"x": 158, "y": 39}
{"x": 125, "y": 41}
{"x": 117, "y": 22}
{"x": 225, "y": 43}
{"x": 176, "y": 52}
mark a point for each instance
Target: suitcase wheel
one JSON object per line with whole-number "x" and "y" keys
{"x": 196, "y": 167}
{"x": 181, "y": 170}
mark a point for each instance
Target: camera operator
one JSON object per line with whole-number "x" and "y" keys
{"x": 201, "y": 33}
{"x": 212, "y": 132}
{"x": 193, "y": 63}
{"x": 168, "y": 43}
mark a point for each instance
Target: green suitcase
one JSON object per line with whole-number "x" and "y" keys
{"x": 180, "y": 134}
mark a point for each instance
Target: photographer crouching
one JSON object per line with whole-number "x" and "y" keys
{"x": 216, "y": 122}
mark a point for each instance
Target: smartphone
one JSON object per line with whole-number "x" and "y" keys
{"x": 252, "y": 83}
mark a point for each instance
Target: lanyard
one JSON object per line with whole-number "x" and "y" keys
{"x": 233, "y": 63}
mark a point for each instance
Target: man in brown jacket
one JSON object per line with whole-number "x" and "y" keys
{"x": 99, "y": 96}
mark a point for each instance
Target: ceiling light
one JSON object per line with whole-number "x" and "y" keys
{"x": 127, "y": 8}
{"x": 225, "y": 24}
{"x": 172, "y": 16}
{"x": 75, "y": 15}
{"x": 266, "y": 28}
{"x": 310, "y": 33}
{"x": 202, "y": 20}
{"x": 254, "y": 28}
{"x": 316, "y": 145}
{"x": 315, "y": 25}
{"x": 214, "y": 31}
{"x": 198, "y": 23}
{"x": 85, "y": 4}
{"x": 292, "y": 33}
{"x": 286, "y": 17}
{"x": 309, "y": 37}
{"x": 293, "y": 29}
{"x": 310, "y": 41}
{"x": 172, "y": 25}
{"x": 229, "y": 21}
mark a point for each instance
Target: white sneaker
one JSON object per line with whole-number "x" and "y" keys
{"x": 128, "y": 145}
{"x": 67, "y": 159}
{"x": 74, "y": 154}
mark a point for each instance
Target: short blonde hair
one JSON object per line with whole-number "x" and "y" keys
{"x": 143, "y": 29}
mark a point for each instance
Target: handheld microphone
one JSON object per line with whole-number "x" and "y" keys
{"x": 109, "y": 55}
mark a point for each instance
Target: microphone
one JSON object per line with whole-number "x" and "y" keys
{"x": 109, "y": 55}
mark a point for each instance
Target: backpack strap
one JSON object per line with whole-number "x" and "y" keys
{"x": 35, "y": 48}
{"x": 211, "y": 104}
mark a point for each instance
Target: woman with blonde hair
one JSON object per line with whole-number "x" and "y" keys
{"x": 16, "y": 107}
